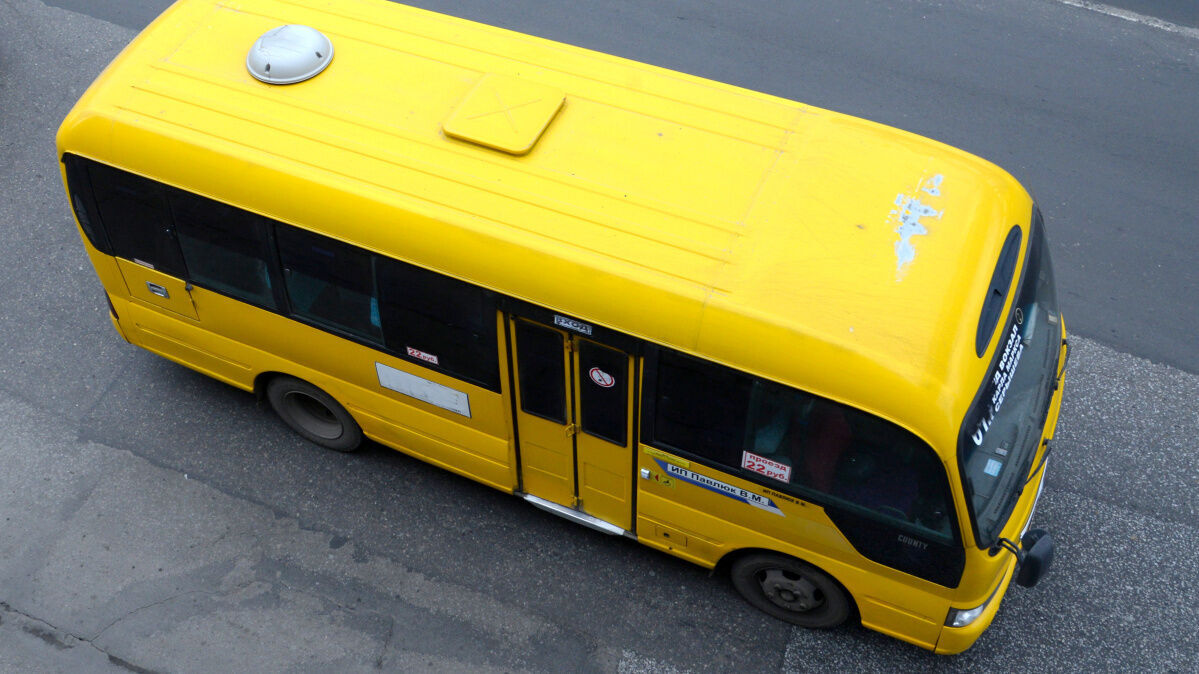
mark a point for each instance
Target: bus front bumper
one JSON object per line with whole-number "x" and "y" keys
{"x": 954, "y": 640}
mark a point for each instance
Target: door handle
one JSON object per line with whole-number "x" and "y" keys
{"x": 156, "y": 289}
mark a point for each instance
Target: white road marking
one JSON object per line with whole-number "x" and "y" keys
{"x": 1126, "y": 15}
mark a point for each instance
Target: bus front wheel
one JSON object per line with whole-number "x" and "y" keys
{"x": 313, "y": 414}
{"x": 790, "y": 590}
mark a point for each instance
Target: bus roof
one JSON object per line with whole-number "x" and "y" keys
{"x": 813, "y": 248}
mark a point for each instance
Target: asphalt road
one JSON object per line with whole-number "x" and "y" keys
{"x": 155, "y": 520}
{"x": 137, "y": 13}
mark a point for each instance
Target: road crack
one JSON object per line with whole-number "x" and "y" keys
{"x": 391, "y": 630}
{"x": 139, "y": 609}
{"x": 59, "y": 638}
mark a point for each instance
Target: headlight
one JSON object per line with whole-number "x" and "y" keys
{"x": 960, "y": 617}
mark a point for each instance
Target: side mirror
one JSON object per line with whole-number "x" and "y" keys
{"x": 1037, "y": 546}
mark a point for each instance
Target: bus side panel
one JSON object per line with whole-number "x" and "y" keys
{"x": 423, "y": 436}
{"x": 184, "y": 341}
{"x": 234, "y": 342}
{"x": 173, "y": 339}
{"x": 713, "y": 523}
{"x": 113, "y": 283}
{"x": 476, "y": 446}
{"x": 106, "y": 269}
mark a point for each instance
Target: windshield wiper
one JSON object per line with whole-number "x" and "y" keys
{"x": 1014, "y": 495}
{"x": 1040, "y": 465}
{"x": 1065, "y": 361}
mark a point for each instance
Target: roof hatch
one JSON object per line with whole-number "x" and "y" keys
{"x": 505, "y": 113}
{"x": 289, "y": 54}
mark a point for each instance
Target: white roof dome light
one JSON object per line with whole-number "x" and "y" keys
{"x": 289, "y": 54}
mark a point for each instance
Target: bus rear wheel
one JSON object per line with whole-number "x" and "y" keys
{"x": 313, "y": 414}
{"x": 790, "y": 590}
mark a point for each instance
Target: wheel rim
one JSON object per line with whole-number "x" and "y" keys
{"x": 790, "y": 590}
{"x": 312, "y": 415}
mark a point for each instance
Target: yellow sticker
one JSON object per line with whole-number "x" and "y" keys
{"x": 664, "y": 480}
{"x": 659, "y": 454}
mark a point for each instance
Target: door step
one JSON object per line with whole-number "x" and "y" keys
{"x": 575, "y": 516}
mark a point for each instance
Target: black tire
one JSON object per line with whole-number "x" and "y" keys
{"x": 313, "y": 414}
{"x": 790, "y": 590}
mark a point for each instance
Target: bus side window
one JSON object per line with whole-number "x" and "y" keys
{"x": 860, "y": 459}
{"x": 135, "y": 215}
{"x": 788, "y": 439}
{"x": 329, "y": 282}
{"x": 449, "y": 324}
{"x": 82, "y": 201}
{"x": 700, "y": 408}
{"x": 807, "y": 434}
{"x": 225, "y": 247}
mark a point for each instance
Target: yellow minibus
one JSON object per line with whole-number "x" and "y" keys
{"x": 818, "y": 354}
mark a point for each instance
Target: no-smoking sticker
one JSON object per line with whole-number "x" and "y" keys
{"x": 602, "y": 378}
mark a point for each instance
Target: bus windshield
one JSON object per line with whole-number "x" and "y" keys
{"x": 1001, "y": 432}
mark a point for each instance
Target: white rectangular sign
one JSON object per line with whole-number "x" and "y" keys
{"x": 572, "y": 324}
{"x": 423, "y": 389}
{"x": 765, "y": 466}
{"x": 427, "y": 357}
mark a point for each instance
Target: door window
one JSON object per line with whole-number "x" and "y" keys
{"x": 603, "y": 392}
{"x": 542, "y": 371}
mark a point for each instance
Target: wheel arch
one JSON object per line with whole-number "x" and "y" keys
{"x": 725, "y": 564}
{"x": 332, "y": 387}
{"x": 323, "y": 420}
{"x": 263, "y": 379}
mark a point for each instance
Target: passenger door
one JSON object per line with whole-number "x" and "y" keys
{"x": 574, "y": 421}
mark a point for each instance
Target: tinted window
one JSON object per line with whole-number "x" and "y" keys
{"x": 80, "y": 188}
{"x": 329, "y": 282}
{"x": 225, "y": 247}
{"x": 439, "y": 321}
{"x": 852, "y": 456}
{"x": 797, "y": 442}
{"x": 134, "y": 212}
{"x": 603, "y": 392}
{"x": 1001, "y": 433}
{"x": 700, "y": 407}
{"x": 542, "y": 371}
